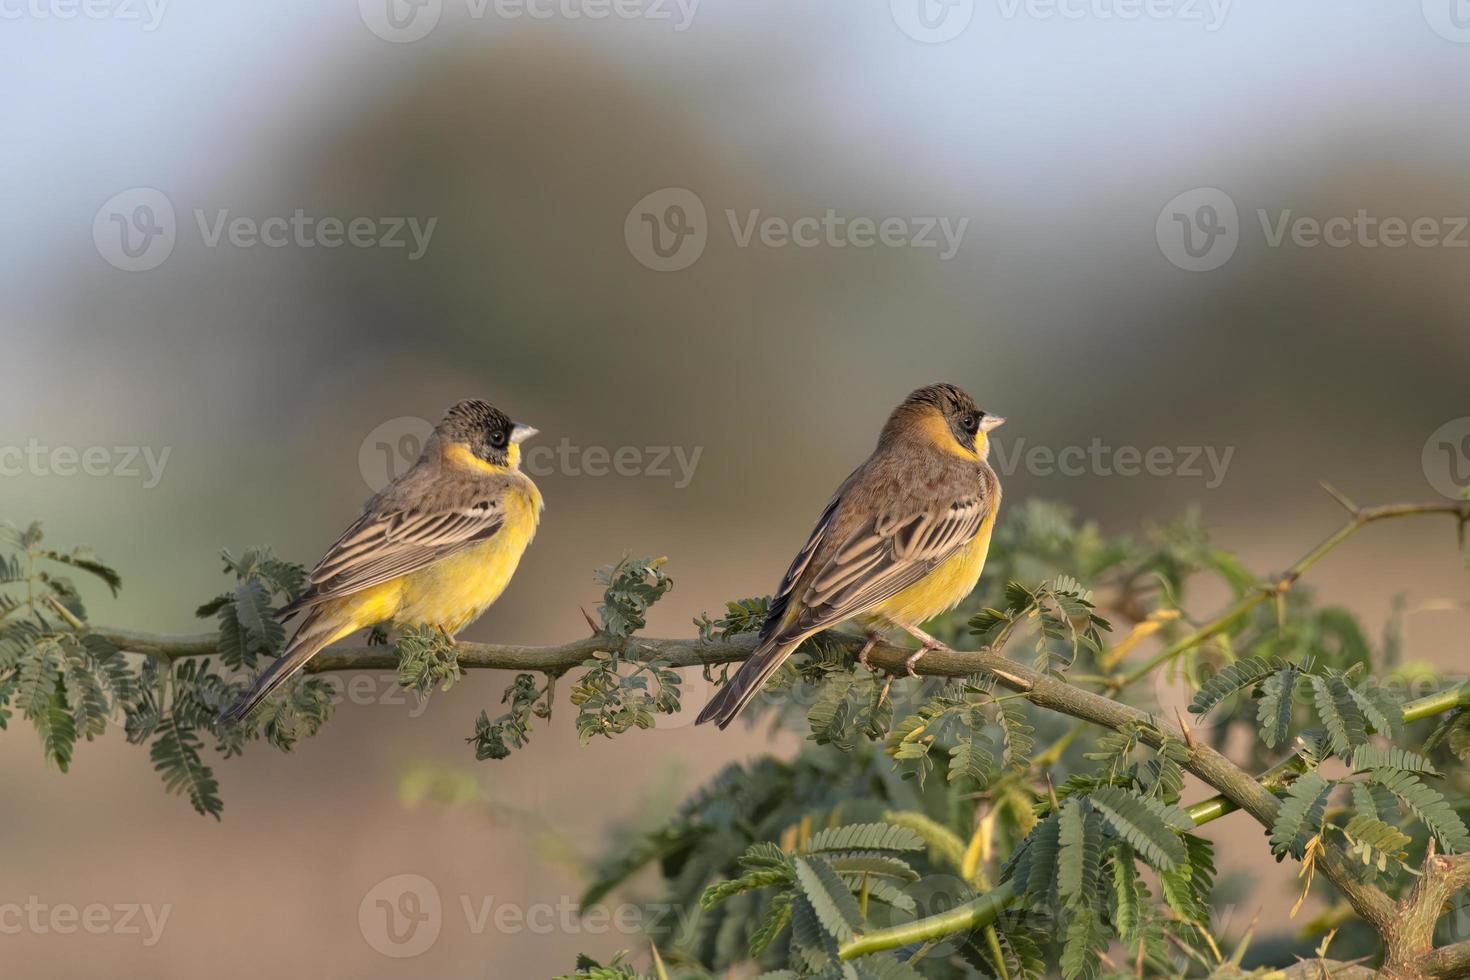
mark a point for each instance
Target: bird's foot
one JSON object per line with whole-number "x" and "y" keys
{"x": 868, "y": 644}
{"x": 926, "y": 643}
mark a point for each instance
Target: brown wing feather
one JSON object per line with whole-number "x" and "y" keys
{"x": 882, "y": 557}
{"x": 803, "y": 558}
{"x": 383, "y": 545}
{"x": 893, "y": 520}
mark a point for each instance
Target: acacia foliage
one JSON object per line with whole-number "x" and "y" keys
{"x": 911, "y": 799}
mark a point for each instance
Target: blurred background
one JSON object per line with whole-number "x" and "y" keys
{"x": 249, "y": 249}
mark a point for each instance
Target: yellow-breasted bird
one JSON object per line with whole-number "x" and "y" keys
{"x": 903, "y": 540}
{"x": 436, "y": 546}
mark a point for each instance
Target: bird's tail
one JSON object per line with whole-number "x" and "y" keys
{"x": 741, "y": 689}
{"x": 310, "y": 637}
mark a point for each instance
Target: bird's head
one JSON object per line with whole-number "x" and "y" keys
{"x": 946, "y": 417}
{"x": 478, "y": 432}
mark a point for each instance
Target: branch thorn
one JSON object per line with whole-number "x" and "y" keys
{"x": 1341, "y": 498}
{"x": 596, "y": 629}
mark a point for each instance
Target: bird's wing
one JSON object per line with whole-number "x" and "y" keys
{"x": 836, "y": 576}
{"x": 386, "y": 542}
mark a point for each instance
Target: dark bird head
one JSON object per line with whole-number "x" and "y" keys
{"x": 484, "y": 430}
{"x": 945, "y": 416}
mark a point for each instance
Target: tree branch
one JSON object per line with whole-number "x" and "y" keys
{"x": 1237, "y": 788}
{"x": 1411, "y": 951}
{"x": 1235, "y": 784}
{"x": 1360, "y": 517}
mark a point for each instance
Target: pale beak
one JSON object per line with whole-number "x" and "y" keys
{"x": 520, "y": 432}
{"x": 989, "y": 422}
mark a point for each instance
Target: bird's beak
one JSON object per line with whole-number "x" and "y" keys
{"x": 520, "y": 432}
{"x": 991, "y": 422}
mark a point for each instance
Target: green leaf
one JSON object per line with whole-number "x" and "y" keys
{"x": 1128, "y": 894}
{"x": 833, "y": 904}
{"x": 175, "y": 755}
{"x": 1375, "y": 842}
{"x": 1017, "y": 742}
{"x": 1273, "y": 714}
{"x": 1426, "y": 803}
{"x": 87, "y": 698}
{"x": 1080, "y": 858}
{"x": 58, "y": 732}
{"x": 831, "y": 716}
{"x": 970, "y": 759}
{"x": 1149, "y": 825}
{"x": 1340, "y": 714}
{"x": 1366, "y": 757}
{"x": 867, "y": 862}
{"x": 1235, "y": 677}
{"x": 751, "y": 880}
{"x": 1085, "y": 939}
{"x": 427, "y": 658}
{"x": 1187, "y": 888}
{"x": 885, "y": 890}
{"x": 778, "y": 913}
{"x": 1300, "y": 815}
{"x": 253, "y": 609}
{"x": 1034, "y": 865}
{"x": 1381, "y": 707}
{"x": 1370, "y": 799}
{"x": 630, "y": 588}
{"x": 83, "y": 559}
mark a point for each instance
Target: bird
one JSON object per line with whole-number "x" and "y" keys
{"x": 435, "y": 547}
{"x": 903, "y": 540}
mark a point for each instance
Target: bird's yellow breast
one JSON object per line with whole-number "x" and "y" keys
{"x": 940, "y": 590}
{"x": 454, "y": 591}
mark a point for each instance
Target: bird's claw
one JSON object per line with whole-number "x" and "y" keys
{"x": 862, "y": 657}
{"x": 929, "y": 644}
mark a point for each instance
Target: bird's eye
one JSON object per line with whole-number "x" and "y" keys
{"x": 970, "y": 423}
{"x": 499, "y": 438}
